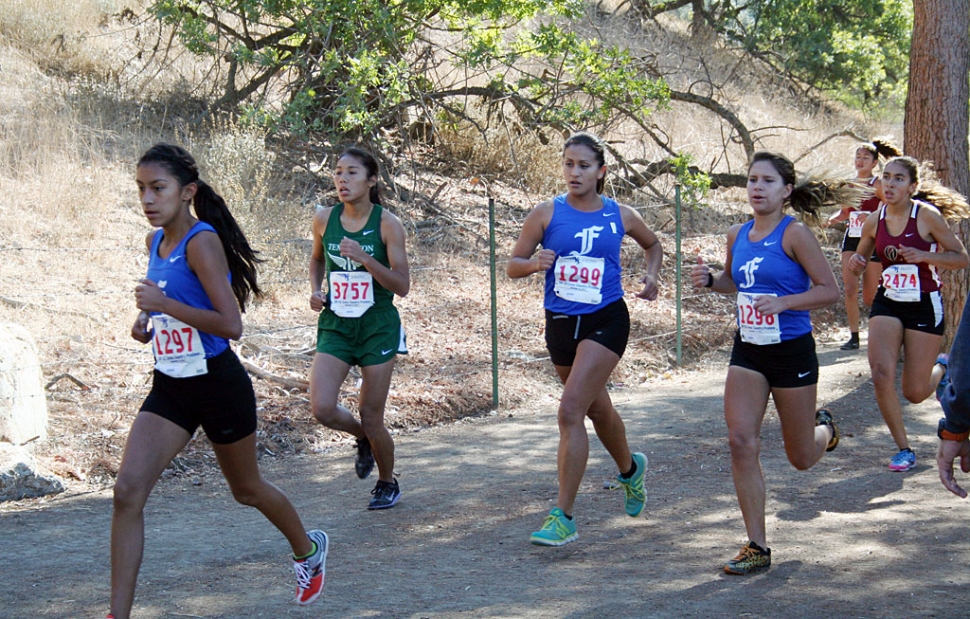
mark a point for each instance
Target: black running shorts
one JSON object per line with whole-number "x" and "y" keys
{"x": 221, "y": 401}
{"x": 787, "y": 365}
{"x": 925, "y": 315}
{"x": 609, "y": 326}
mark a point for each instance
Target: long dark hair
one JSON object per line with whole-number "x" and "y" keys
{"x": 809, "y": 194}
{"x": 595, "y": 144}
{"x": 211, "y": 208}
{"x": 370, "y": 166}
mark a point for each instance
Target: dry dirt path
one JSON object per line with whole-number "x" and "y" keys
{"x": 850, "y": 539}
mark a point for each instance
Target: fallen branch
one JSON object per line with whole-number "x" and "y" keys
{"x": 80, "y": 384}
{"x": 289, "y": 383}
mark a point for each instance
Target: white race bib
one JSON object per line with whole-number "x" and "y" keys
{"x": 579, "y": 279}
{"x": 901, "y": 282}
{"x": 755, "y": 327}
{"x": 351, "y": 293}
{"x": 856, "y": 221}
{"x": 178, "y": 348}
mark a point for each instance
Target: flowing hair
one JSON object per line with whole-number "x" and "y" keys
{"x": 953, "y": 205}
{"x": 211, "y": 208}
{"x": 810, "y": 194}
{"x": 881, "y": 147}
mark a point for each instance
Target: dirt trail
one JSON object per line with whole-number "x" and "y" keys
{"x": 849, "y": 538}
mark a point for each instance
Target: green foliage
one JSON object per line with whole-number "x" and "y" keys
{"x": 694, "y": 183}
{"x": 857, "y": 50}
{"x": 355, "y": 67}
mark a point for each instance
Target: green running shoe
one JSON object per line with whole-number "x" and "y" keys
{"x": 557, "y": 530}
{"x": 636, "y": 494}
{"x": 751, "y": 559}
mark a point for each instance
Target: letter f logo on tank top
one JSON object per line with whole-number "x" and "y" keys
{"x": 748, "y": 269}
{"x": 587, "y": 235}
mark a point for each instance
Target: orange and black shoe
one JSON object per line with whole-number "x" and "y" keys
{"x": 752, "y": 558}
{"x": 824, "y": 418}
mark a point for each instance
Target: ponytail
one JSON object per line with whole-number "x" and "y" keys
{"x": 953, "y": 206}
{"x": 810, "y": 195}
{"x": 211, "y": 208}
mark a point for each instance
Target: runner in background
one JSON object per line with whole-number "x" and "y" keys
{"x": 913, "y": 241}
{"x": 587, "y": 323}
{"x": 866, "y": 161}
{"x": 201, "y": 273}
{"x": 358, "y": 250}
{"x": 777, "y": 268}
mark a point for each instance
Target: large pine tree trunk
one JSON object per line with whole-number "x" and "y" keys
{"x": 938, "y": 117}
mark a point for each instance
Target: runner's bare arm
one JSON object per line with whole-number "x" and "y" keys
{"x": 522, "y": 262}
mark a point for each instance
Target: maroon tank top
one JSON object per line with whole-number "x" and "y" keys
{"x": 886, "y": 248}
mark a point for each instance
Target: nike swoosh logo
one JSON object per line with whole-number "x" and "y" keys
{"x": 366, "y": 232}
{"x": 771, "y": 243}
{"x": 910, "y": 234}
{"x": 920, "y": 325}
{"x": 607, "y": 214}
{"x": 384, "y": 352}
{"x": 175, "y": 258}
{"x": 803, "y": 374}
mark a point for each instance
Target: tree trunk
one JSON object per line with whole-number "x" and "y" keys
{"x": 938, "y": 117}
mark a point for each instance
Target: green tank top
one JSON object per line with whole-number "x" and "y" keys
{"x": 370, "y": 241}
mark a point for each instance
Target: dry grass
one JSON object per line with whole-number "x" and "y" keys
{"x": 72, "y": 243}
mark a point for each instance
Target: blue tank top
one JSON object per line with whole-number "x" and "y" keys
{"x": 178, "y": 282}
{"x": 765, "y": 268}
{"x": 598, "y": 234}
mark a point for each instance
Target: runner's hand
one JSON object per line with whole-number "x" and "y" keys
{"x": 650, "y": 288}
{"x": 140, "y": 330}
{"x": 148, "y": 296}
{"x": 947, "y": 453}
{"x": 699, "y": 273}
{"x": 545, "y": 259}
{"x": 318, "y": 300}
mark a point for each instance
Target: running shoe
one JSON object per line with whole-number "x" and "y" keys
{"x": 633, "y": 488}
{"x": 311, "y": 571}
{"x": 944, "y": 360}
{"x": 557, "y": 530}
{"x": 364, "y": 462}
{"x": 386, "y": 494}
{"x": 852, "y": 344}
{"x": 903, "y": 461}
{"x": 824, "y": 418}
{"x": 752, "y": 558}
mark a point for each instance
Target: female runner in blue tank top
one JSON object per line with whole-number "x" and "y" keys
{"x": 913, "y": 240}
{"x": 777, "y": 269}
{"x": 587, "y": 324}
{"x": 201, "y": 272}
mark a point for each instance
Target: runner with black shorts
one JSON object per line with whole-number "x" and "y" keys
{"x": 358, "y": 249}
{"x": 201, "y": 273}
{"x": 913, "y": 241}
{"x": 866, "y": 161}
{"x": 776, "y": 268}
{"x": 587, "y": 323}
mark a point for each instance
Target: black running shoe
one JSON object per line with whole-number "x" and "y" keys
{"x": 824, "y": 418}
{"x": 386, "y": 494}
{"x": 364, "y": 463}
{"x": 852, "y": 344}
